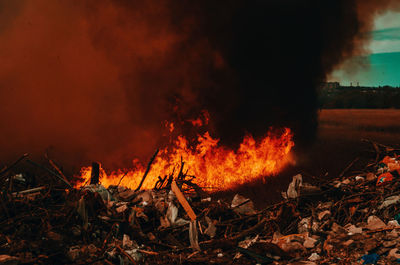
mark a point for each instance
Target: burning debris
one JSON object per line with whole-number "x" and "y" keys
{"x": 354, "y": 218}
{"x": 213, "y": 165}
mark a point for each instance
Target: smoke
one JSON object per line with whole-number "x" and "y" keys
{"x": 96, "y": 80}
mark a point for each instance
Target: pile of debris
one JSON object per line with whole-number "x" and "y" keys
{"x": 352, "y": 219}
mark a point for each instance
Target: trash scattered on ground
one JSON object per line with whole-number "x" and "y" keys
{"x": 353, "y": 219}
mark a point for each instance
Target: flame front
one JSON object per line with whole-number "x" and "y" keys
{"x": 213, "y": 166}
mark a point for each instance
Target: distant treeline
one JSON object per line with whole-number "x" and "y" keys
{"x": 342, "y": 97}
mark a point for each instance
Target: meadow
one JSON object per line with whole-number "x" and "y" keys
{"x": 381, "y": 125}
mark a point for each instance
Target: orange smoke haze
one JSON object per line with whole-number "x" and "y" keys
{"x": 89, "y": 78}
{"x": 99, "y": 80}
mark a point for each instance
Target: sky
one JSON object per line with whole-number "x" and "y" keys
{"x": 381, "y": 65}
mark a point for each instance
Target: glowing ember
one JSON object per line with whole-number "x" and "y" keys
{"x": 214, "y": 166}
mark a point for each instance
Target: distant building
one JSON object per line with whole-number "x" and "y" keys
{"x": 330, "y": 85}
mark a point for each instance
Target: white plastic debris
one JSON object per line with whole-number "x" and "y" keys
{"x": 358, "y": 178}
{"x": 293, "y": 190}
{"x": 390, "y": 201}
{"x": 314, "y": 257}
{"x": 248, "y": 242}
{"x": 315, "y": 227}
{"x": 309, "y": 242}
{"x": 393, "y": 223}
{"x": 74, "y": 252}
{"x": 19, "y": 177}
{"x": 375, "y": 223}
{"x": 242, "y": 205}
{"x": 127, "y": 242}
{"x": 211, "y": 229}
{"x": 171, "y": 217}
{"x": 304, "y": 225}
{"x": 101, "y": 190}
{"x": 134, "y": 253}
{"x": 352, "y": 229}
{"x": 172, "y": 212}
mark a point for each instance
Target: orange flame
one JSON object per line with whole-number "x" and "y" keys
{"x": 212, "y": 165}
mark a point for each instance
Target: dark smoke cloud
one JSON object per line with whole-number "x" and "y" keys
{"x": 95, "y": 80}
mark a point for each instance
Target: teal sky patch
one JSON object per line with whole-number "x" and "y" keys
{"x": 386, "y": 34}
{"x": 380, "y": 67}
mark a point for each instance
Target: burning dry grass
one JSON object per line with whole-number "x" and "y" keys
{"x": 211, "y": 164}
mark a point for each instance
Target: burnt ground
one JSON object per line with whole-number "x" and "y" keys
{"x": 338, "y": 143}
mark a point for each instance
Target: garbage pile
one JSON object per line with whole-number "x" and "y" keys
{"x": 353, "y": 219}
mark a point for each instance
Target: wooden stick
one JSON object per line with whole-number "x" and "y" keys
{"x": 119, "y": 182}
{"x": 14, "y": 164}
{"x": 147, "y": 170}
{"x": 51, "y": 172}
{"x": 95, "y": 175}
{"x": 250, "y": 230}
{"x": 28, "y": 191}
{"x": 181, "y": 198}
{"x": 148, "y": 252}
{"x": 348, "y": 167}
{"x": 56, "y": 167}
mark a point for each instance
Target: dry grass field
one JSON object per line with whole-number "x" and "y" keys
{"x": 381, "y": 125}
{"x": 339, "y": 142}
{"x": 340, "y": 135}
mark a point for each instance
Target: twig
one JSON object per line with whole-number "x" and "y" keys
{"x": 180, "y": 174}
{"x": 250, "y": 230}
{"x": 14, "y": 164}
{"x": 56, "y": 167}
{"x": 147, "y": 169}
{"x": 148, "y": 252}
{"x": 51, "y": 172}
{"x": 348, "y": 167}
{"x": 255, "y": 256}
{"x": 119, "y": 182}
{"x": 377, "y": 151}
{"x": 28, "y": 191}
{"x": 126, "y": 254}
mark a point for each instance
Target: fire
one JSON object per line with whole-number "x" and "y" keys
{"x": 212, "y": 165}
